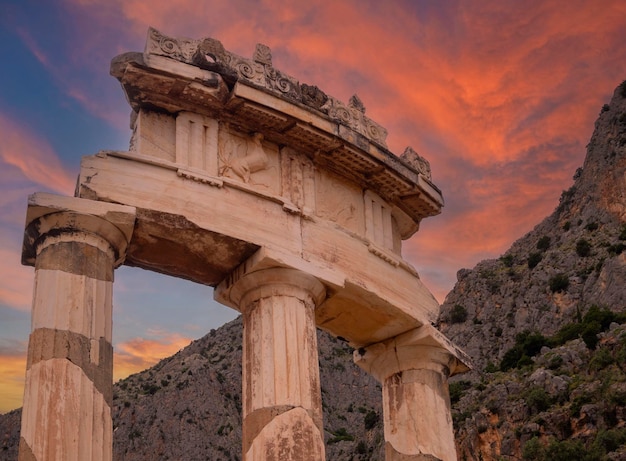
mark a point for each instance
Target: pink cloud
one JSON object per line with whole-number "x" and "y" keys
{"x": 33, "y": 157}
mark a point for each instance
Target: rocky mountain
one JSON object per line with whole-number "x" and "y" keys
{"x": 535, "y": 322}
{"x": 545, "y": 325}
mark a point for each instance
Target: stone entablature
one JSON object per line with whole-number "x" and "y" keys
{"x": 286, "y": 178}
{"x": 167, "y": 79}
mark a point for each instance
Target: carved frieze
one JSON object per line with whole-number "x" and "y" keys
{"x": 196, "y": 142}
{"x": 248, "y": 159}
{"x": 298, "y": 180}
{"x": 211, "y": 55}
{"x": 417, "y": 162}
{"x": 154, "y": 135}
{"x": 338, "y": 202}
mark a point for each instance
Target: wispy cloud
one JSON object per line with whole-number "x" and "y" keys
{"x": 33, "y": 157}
{"x": 137, "y": 354}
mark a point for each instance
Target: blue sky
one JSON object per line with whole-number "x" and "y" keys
{"x": 499, "y": 96}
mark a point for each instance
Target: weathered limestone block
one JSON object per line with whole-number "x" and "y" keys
{"x": 69, "y": 376}
{"x": 154, "y": 135}
{"x": 282, "y": 404}
{"x": 414, "y": 368}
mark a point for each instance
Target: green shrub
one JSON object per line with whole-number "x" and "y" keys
{"x": 458, "y": 314}
{"x": 507, "y": 260}
{"x": 622, "y": 235}
{"x": 490, "y": 368}
{"x": 538, "y": 399}
{"x": 601, "y": 359}
{"x": 457, "y": 389}
{"x": 567, "y": 226}
{"x": 590, "y": 335}
{"x": 583, "y": 248}
{"x": 609, "y": 440}
{"x": 591, "y": 226}
{"x": 533, "y": 260}
{"x": 559, "y": 283}
{"x": 544, "y": 243}
{"x": 341, "y": 435}
{"x": 533, "y": 450}
{"x": 527, "y": 345}
{"x": 567, "y": 333}
{"x": 371, "y": 419}
{"x": 602, "y": 315}
{"x": 616, "y": 249}
{"x": 566, "y": 450}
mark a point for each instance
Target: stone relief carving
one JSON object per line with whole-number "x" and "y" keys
{"x": 417, "y": 162}
{"x": 240, "y": 158}
{"x": 353, "y": 116}
{"x": 210, "y": 54}
{"x": 298, "y": 180}
{"x": 262, "y": 54}
{"x": 338, "y": 203}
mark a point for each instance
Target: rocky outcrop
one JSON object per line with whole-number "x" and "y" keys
{"x": 572, "y": 260}
{"x": 564, "y": 280}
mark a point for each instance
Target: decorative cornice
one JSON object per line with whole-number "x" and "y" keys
{"x": 210, "y": 54}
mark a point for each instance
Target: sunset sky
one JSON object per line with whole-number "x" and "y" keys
{"x": 500, "y": 96}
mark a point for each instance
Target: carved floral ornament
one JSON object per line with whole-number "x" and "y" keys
{"x": 210, "y": 54}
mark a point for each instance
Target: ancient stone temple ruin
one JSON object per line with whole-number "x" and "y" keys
{"x": 284, "y": 199}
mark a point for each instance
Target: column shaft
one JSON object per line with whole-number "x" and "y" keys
{"x": 67, "y": 399}
{"x": 413, "y": 369}
{"x": 282, "y": 410}
{"x": 74, "y": 245}
{"x": 418, "y": 423}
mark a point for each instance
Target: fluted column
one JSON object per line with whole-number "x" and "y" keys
{"x": 282, "y": 407}
{"x": 69, "y": 372}
{"x": 413, "y": 369}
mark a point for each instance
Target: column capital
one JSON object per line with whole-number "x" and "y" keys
{"x": 241, "y": 288}
{"x": 51, "y": 216}
{"x": 421, "y": 348}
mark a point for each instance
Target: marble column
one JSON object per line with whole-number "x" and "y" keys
{"x": 282, "y": 405}
{"x": 413, "y": 369}
{"x": 69, "y": 372}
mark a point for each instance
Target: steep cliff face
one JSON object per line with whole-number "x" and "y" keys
{"x": 572, "y": 260}
{"x": 541, "y": 323}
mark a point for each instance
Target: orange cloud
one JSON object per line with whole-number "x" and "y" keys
{"x": 12, "y": 372}
{"x": 139, "y": 354}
